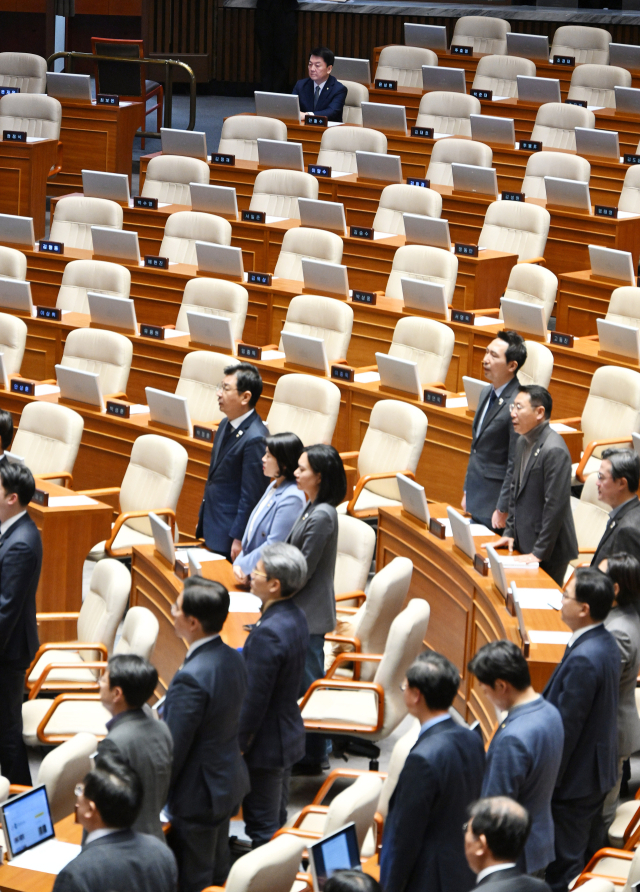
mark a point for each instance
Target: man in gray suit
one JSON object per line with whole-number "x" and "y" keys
{"x": 490, "y": 468}
{"x": 540, "y": 523}
{"x": 618, "y": 480}
{"x": 135, "y": 736}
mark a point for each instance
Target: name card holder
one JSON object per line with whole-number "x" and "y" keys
{"x": 465, "y": 250}
{"x": 316, "y": 120}
{"x": 40, "y": 497}
{"x": 561, "y": 340}
{"x": 14, "y": 135}
{"x": 437, "y": 529}
{"x": 153, "y": 331}
{"x": 49, "y": 313}
{"x": 6, "y": 91}
{"x": 118, "y": 408}
{"x": 253, "y": 216}
{"x": 254, "y": 278}
{"x": 181, "y": 569}
{"x": 227, "y": 160}
{"x": 482, "y": 94}
{"x": 364, "y": 297}
{"x": 156, "y": 262}
{"x": 342, "y": 373}
{"x": 384, "y": 84}
{"x": 604, "y": 210}
{"x": 530, "y": 145}
{"x": 203, "y": 433}
{"x": 319, "y": 170}
{"x": 25, "y": 386}
{"x": 422, "y": 132}
{"x": 435, "y": 398}
{"x": 147, "y": 204}
{"x": 580, "y": 102}
{"x": 50, "y": 247}
{"x": 107, "y": 99}
{"x": 361, "y": 232}
{"x": 481, "y": 564}
{"x": 417, "y": 181}
{"x": 513, "y": 196}
{"x": 457, "y": 50}
{"x": 249, "y": 351}
{"x": 564, "y": 60}
{"x": 467, "y": 317}
{"x": 631, "y": 159}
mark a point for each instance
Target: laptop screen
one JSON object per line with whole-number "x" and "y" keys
{"x": 27, "y": 820}
{"x": 336, "y": 852}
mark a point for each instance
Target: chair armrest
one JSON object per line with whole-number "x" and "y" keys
{"x": 607, "y": 852}
{"x": 491, "y": 311}
{"x": 305, "y": 878}
{"x": 632, "y": 832}
{"x": 349, "y": 456}
{"x": 573, "y": 422}
{"x": 14, "y": 789}
{"x": 343, "y": 685}
{"x": 61, "y": 698}
{"x": 344, "y": 639}
{"x": 352, "y": 657}
{"x": 312, "y": 809}
{"x": 440, "y": 385}
{"x": 74, "y": 646}
{"x": 120, "y": 394}
{"x": 340, "y": 773}
{"x": 55, "y": 170}
{"x": 591, "y": 447}
{"x": 213, "y": 889}
{"x": 40, "y": 683}
{"x": 539, "y": 260}
{"x": 362, "y": 482}
{"x": 352, "y": 596}
{"x": 128, "y": 515}
{"x": 55, "y": 617}
{"x": 366, "y": 368}
{"x": 59, "y": 475}
{"x": 585, "y": 877}
{"x": 349, "y": 611}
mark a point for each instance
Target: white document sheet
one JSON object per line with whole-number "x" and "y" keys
{"x": 539, "y": 637}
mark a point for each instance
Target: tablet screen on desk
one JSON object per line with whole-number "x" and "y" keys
{"x": 26, "y": 821}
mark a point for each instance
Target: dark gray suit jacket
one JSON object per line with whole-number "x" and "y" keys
{"x": 624, "y": 625}
{"x": 621, "y": 534}
{"x": 511, "y": 880}
{"x": 315, "y": 533}
{"x": 146, "y": 744}
{"x": 20, "y": 565}
{"x": 490, "y": 467}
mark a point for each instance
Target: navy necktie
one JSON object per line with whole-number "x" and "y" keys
{"x": 316, "y": 94}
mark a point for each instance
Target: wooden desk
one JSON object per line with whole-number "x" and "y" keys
{"x": 19, "y": 879}
{"x": 582, "y": 299}
{"x": 24, "y": 168}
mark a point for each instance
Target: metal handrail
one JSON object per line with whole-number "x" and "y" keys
{"x": 168, "y": 82}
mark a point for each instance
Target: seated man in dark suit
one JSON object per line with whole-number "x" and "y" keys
{"x": 494, "y": 841}
{"x": 114, "y": 858}
{"x": 618, "y": 480}
{"x": 321, "y": 93}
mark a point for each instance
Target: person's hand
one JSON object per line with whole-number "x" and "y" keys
{"x": 503, "y": 542}
{"x": 236, "y": 548}
{"x": 463, "y": 503}
{"x": 241, "y": 579}
{"x": 527, "y": 559}
{"x": 499, "y": 519}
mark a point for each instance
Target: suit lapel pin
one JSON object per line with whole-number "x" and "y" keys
{"x": 500, "y": 401}
{"x": 537, "y": 452}
{"x": 239, "y": 434}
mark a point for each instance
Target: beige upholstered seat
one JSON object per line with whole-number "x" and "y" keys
{"x": 356, "y": 544}
{"x": 627, "y": 816}
{"x": 556, "y": 122}
{"x": 306, "y": 405}
{"x": 626, "y": 870}
{"x": 484, "y": 33}
{"x": 595, "y": 84}
{"x": 426, "y": 342}
{"x": 461, "y": 151}
{"x": 267, "y": 868}
{"x": 64, "y": 767}
{"x": 356, "y": 93}
{"x": 532, "y": 284}
{"x": 630, "y": 195}
{"x": 13, "y": 339}
{"x": 81, "y": 276}
{"x": 168, "y": 178}
{"x": 404, "y": 64}
{"x": 314, "y": 244}
{"x": 276, "y": 192}
{"x": 398, "y": 199}
{"x": 590, "y": 517}
{"x": 499, "y": 73}
{"x": 583, "y": 43}
{"x": 184, "y": 229}
{"x": 240, "y": 135}
{"x": 339, "y": 145}
{"x": 105, "y": 352}
{"x": 13, "y": 264}
{"x": 23, "y": 70}
{"x": 538, "y": 366}
{"x": 38, "y": 115}
{"x": 218, "y": 298}
{"x": 75, "y": 215}
{"x": 448, "y": 112}
{"x": 552, "y": 164}
{"x": 425, "y": 263}
{"x": 321, "y": 317}
{"x": 48, "y": 438}
{"x": 516, "y": 227}
{"x": 200, "y": 375}
{"x": 624, "y": 306}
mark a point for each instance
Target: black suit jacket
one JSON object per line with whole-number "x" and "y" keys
{"x": 123, "y": 861}
{"x": 20, "y": 565}
{"x": 330, "y": 101}
{"x": 235, "y": 483}
{"x": 209, "y": 777}
{"x": 584, "y": 688}
{"x": 490, "y": 467}
{"x": 511, "y": 880}
{"x": 423, "y": 846}
{"x": 621, "y": 534}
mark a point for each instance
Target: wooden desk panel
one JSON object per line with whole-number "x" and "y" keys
{"x": 21, "y": 879}
{"x": 24, "y": 168}
{"x": 582, "y": 299}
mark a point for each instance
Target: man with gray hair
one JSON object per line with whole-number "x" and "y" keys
{"x": 617, "y": 483}
{"x": 272, "y": 736}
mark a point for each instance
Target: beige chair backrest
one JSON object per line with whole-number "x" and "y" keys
{"x": 538, "y": 367}
{"x": 321, "y": 317}
{"x": 484, "y": 33}
{"x": 393, "y": 442}
{"x": 139, "y": 633}
{"x": 595, "y": 84}
{"x": 552, "y": 164}
{"x": 516, "y": 227}
{"x": 556, "y": 122}
{"x": 612, "y": 408}
{"x": 356, "y": 93}
{"x": 13, "y": 339}
{"x": 62, "y": 769}
{"x": 153, "y": 478}
{"x": 398, "y": 199}
{"x": 313, "y": 244}
{"x": 75, "y": 215}
{"x": 48, "y": 437}
{"x": 276, "y": 192}
{"x": 624, "y": 306}
{"x": 461, "y": 151}
{"x": 103, "y": 605}
{"x": 630, "y": 195}
{"x": 216, "y": 297}
{"x": 356, "y": 544}
{"x": 306, "y": 405}
{"x": 81, "y": 276}
{"x": 5, "y": 786}
{"x": 532, "y": 284}
{"x": 448, "y": 112}
{"x": 357, "y": 803}
{"x": 339, "y": 145}
{"x": 184, "y": 229}
{"x": 425, "y": 263}
{"x": 404, "y": 64}
{"x": 590, "y": 515}
{"x": 168, "y": 178}
{"x": 583, "y": 43}
{"x": 23, "y": 70}
{"x": 426, "y": 342}
{"x": 269, "y": 867}
{"x": 13, "y": 264}
{"x": 240, "y": 135}
{"x": 499, "y": 74}
{"x": 200, "y": 375}
{"x": 105, "y": 352}
{"x": 399, "y": 754}
{"x": 37, "y": 114}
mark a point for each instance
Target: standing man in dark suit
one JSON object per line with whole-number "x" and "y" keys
{"x": 540, "y": 522}
{"x": 584, "y": 688}
{"x": 321, "y": 93}
{"x": 20, "y": 564}
{"x": 114, "y": 858}
{"x": 423, "y": 846}
{"x": 490, "y": 468}
{"x": 236, "y": 482}
{"x": 6, "y": 433}
{"x": 202, "y": 709}
{"x": 135, "y": 736}
{"x": 494, "y": 842}
{"x": 617, "y": 484}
